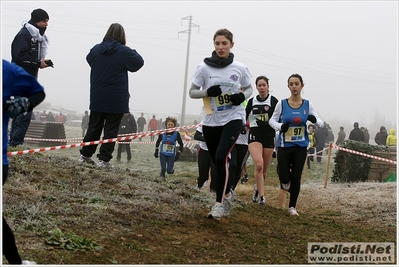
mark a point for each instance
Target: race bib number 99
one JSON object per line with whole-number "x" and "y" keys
{"x": 295, "y": 134}
{"x": 223, "y": 102}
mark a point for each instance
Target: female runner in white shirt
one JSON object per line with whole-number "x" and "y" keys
{"x": 218, "y": 81}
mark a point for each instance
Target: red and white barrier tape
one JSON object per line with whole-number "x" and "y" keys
{"x": 362, "y": 154}
{"x": 124, "y": 138}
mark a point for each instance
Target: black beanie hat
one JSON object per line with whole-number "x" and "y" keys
{"x": 38, "y": 15}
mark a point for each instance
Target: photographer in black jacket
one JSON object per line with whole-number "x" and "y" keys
{"x": 28, "y": 50}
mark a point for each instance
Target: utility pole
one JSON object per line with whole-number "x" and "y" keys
{"x": 190, "y": 25}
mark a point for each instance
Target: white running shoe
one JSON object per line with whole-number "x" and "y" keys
{"x": 292, "y": 211}
{"x": 26, "y": 262}
{"x": 228, "y": 204}
{"x": 105, "y": 164}
{"x": 217, "y": 211}
{"x": 82, "y": 158}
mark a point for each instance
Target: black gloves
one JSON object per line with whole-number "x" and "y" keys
{"x": 312, "y": 118}
{"x": 237, "y": 99}
{"x": 16, "y": 106}
{"x": 260, "y": 123}
{"x": 284, "y": 127}
{"x": 274, "y": 154}
{"x": 214, "y": 91}
{"x": 177, "y": 156}
{"x": 156, "y": 152}
{"x": 243, "y": 130}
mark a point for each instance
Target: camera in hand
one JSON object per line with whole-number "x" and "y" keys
{"x": 49, "y": 62}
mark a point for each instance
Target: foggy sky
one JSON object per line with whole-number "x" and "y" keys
{"x": 346, "y": 52}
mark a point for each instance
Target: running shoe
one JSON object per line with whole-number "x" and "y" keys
{"x": 104, "y": 164}
{"x": 262, "y": 200}
{"x": 26, "y": 262}
{"x": 292, "y": 211}
{"x": 228, "y": 204}
{"x": 82, "y": 159}
{"x": 255, "y": 196}
{"x": 244, "y": 179}
{"x": 217, "y": 211}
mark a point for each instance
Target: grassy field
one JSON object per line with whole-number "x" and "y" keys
{"x": 65, "y": 212}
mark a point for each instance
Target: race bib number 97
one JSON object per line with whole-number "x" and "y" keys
{"x": 295, "y": 134}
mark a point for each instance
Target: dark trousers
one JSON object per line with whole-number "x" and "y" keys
{"x": 98, "y": 122}
{"x": 220, "y": 141}
{"x": 139, "y": 130}
{"x": 319, "y": 153}
{"x": 19, "y": 127}
{"x": 124, "y": 147}
{"x": 291, "y": 158}
{"x": 84, "y": 131}
{"x": 310, "y": 158}
{"x": 205, "y": 164}
{"x": 10, "y": 250}
{"x": 239, "y": 156}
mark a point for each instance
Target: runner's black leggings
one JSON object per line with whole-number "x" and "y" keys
{"x": 291, "y": 158}
{"x": 220, "y": 141}
{"x": 239, "y": 156}
{"x": 205, "y": 164}
{"x": 10, "y": 250}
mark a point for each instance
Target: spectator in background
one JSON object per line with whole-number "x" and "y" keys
{"x": 320, "y": 135}
{"x": 311, "y": 144}
{"x": 43, "y": 116}
{"x": 60, "y": 118}
{"x": 110, "y": 62}
{"x": 152, "y": 126}
{"x": 28, "y": 50}
{"x": 50, "y": 116}
{"x": 381, "y": 137}
{"x": 330, "y": 136}
{"x": 85, "y": 123}
{"x": 366, "y": 135}
{"x": 341, "y": 136}
{"x": 128, "y": 126}
{"x": 160, "y": 124}
{"x": 356, "y": 134}
{"x": 140, "y": 124}
{"x": 391, "y": 139}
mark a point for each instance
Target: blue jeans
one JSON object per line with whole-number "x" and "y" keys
{"x": 167, "y": 164}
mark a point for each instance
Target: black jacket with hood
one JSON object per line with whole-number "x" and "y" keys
{"x": 110, "y": 62}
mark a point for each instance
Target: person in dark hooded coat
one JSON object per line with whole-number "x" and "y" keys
{"x": 381, "y": 137}
{"x": 110, "y": 62}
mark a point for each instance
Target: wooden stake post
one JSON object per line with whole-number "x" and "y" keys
{"x": 328, "y": 165}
